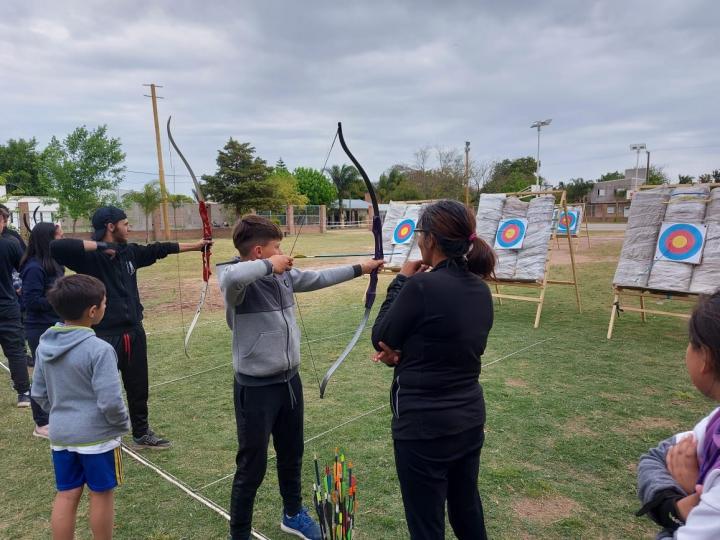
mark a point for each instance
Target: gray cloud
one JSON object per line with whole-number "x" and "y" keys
{"x": 400, "y": 75}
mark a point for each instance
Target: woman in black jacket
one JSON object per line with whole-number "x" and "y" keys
{"x": 432, "y": 329}
{"x": 39, "y": 271}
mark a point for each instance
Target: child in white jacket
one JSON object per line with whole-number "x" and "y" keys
{"x": 679, "y": 480}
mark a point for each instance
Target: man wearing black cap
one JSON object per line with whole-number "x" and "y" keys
{"x": 110, "y": 258}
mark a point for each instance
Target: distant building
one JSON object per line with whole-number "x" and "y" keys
{"x": 37, "y": 209}
{"x": 612, "y": 191}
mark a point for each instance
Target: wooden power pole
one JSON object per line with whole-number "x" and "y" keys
{"x": 467, "y": 173}
{"x": 161, "y": 170}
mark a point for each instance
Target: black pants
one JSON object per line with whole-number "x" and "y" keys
{"x": 275, "y": 409}
{"x": 131, "y": 349}
{"x": 434, "y": 471}
{"x": 12, "y": 341}
{"x": 40, "y": 417}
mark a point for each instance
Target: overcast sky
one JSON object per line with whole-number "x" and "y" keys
{"x": 400, "y": 75}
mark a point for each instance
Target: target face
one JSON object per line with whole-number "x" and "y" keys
{"x": 568, "y": 221}
{"x": 681, "y": 242}
{"x": 511, "y": 233}
{"x": 403, "y": 231}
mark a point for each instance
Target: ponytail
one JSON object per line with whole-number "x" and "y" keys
{"x": 481, "y": 259}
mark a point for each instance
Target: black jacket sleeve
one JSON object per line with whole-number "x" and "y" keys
{"x": 147, "y": 255}
{"x": 33, "y": 291}
{"x": 402, "y": 309}
{"x": 70, "y": 252}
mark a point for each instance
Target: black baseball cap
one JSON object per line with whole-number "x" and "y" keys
{"x": 103, "y": 216}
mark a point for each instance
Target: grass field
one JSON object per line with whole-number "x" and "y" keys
{"x": 569, "y": 412}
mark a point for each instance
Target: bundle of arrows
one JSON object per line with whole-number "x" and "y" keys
{"x": 334, "y": 497}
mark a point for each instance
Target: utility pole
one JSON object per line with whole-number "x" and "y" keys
{"x": 161, "y": 170}
{"x": 647, "y": 167}
{"x": 467, "y": 173}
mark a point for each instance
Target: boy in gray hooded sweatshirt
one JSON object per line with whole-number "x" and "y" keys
{"x": 76, "y": 380}
{"x": 258, "y": 288}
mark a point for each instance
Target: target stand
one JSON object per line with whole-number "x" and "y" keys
{"x": 677, "y": 242}
{"x": 536, "y": 289}
{"x": 565, "y": 222}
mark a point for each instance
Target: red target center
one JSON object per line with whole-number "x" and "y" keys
{"x": 510, "y": 232}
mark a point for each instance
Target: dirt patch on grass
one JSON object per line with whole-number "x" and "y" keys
{"x": 596, "y": 252}
{"x": 646, "y": 423}
{"x": 546, "y": 510}
{"x": 578, "y": 426}
{"x": 516, "y": 383}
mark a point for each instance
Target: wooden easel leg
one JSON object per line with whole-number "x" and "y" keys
{"x": 497, "y": 291}
{"x": 539, "y": 308}
{"x": 643, "y": 316}
{"x": 613, "y": 313}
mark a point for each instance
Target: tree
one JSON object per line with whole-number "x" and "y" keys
{"x": 176, "y": 201}
{"x": 614, "y": 175}
{"x": 149, "y": 200}
{"x": 286, "y": 188}
{"x": 82, "y": 171}
{"x": 19, "y": 168}
{"x": 512, "y": 175}
{"x": 241, "y": 179}
{"x": 657, "y": 176}
{"x": 395, "y": 185}
{"x": 343, "y": 178}
{"x": 315, "y": 186}
{"x": 685, "y": 179}
{"x": 577, "y": 189}
{"x": 280, "y": 165}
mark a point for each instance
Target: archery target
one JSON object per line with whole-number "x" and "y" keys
{"x": 681, "y": 242}
{"x": 511, "y": 233}
{"x": 568, "y": 221}
{"x": 403, "y": 231}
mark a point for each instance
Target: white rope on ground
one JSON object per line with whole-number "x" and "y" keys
{"x": 181, "y": 485}
{"x": 4, "y": 366}
{"x": 188, "y": 376}
{"x": 516, "y": 352}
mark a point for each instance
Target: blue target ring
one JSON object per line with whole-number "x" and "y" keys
{"x": 510, "y": 234}
{"x": 680, "y": 242}
{"x": 403, "y": 231}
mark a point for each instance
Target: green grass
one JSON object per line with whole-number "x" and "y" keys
{"x": 567, "y": 418}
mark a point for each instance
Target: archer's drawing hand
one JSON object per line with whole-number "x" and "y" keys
{"x": 387, "y": 356}
{"x": 682, "y": 462}
{"x": 411, "y": 268}
{"x": 281, "y": 263}
{"x": 372, "y": 264}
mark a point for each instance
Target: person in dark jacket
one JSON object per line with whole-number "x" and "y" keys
{"x": 110, "y": 258}
{"x": 12, "y": 338}
{"x": 433, "y": 328}
{"x": 39, "y": 271}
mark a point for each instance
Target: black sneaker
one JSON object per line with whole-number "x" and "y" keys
{"x": 23, "y": 400}
{"x": 151, "y": 441}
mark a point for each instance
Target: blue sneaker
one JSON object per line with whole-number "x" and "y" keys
{"x": 301, "y": 525}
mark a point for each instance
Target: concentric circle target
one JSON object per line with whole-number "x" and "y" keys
{"x": 510, "y": 234}
{"x": 680, "y": 242}
{"x": 567, "y": 221}
{"x": 403, "y": 231}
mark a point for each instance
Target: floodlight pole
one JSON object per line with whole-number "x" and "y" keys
{"x": 539, "y": 125}
{"x": 637, "y": 148}
{"x": 161, "y": 171}
{"x": 467, "y": 173}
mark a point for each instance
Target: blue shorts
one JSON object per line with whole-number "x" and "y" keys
{"x": 99, "y": 471}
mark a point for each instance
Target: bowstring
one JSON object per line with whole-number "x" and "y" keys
{"x": 292, "y": 249}
{"x": 177, "y": 257}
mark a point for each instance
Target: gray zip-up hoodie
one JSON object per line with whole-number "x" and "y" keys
{"x": 260, "y": 311}
{"x": 76, "y": 380}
